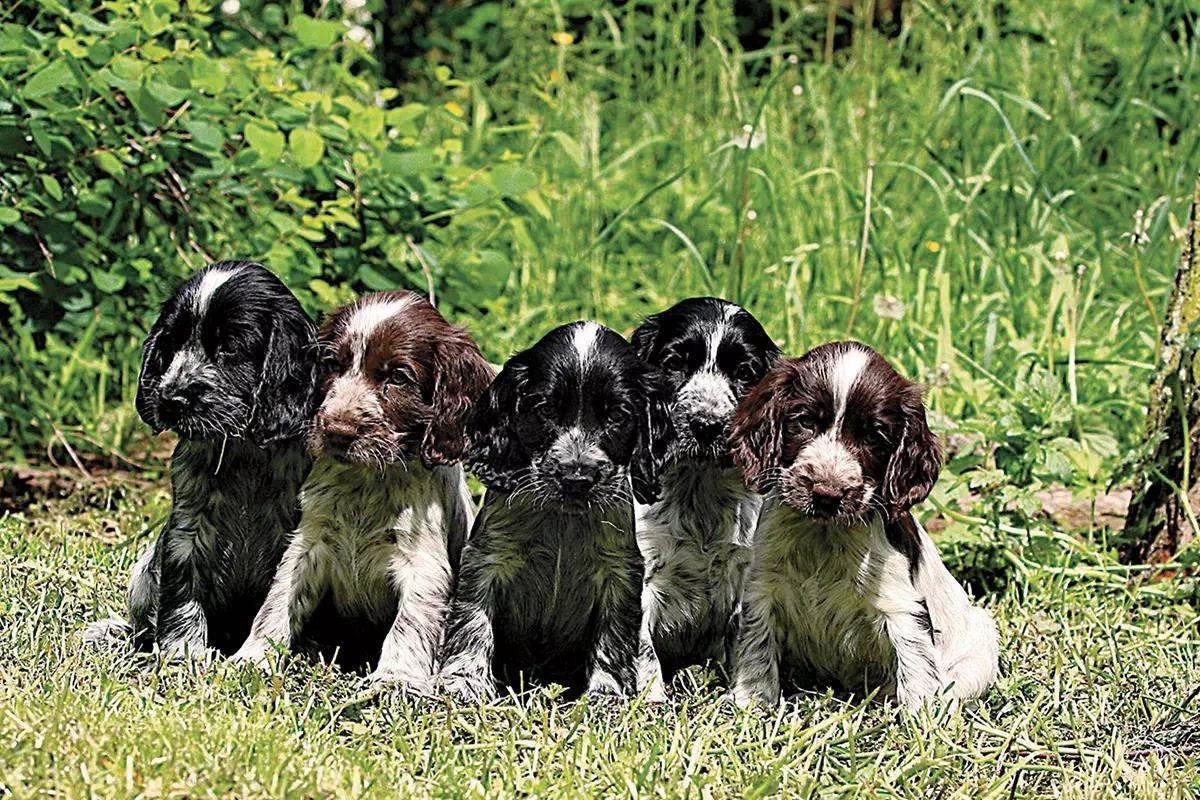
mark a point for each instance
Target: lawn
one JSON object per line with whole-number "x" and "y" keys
{"x": 993, "y": 197}
{"x": 1097, "y": 699}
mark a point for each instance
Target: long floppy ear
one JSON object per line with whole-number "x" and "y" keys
{"x": 914, "y": 467}
{"x": 286, "y": 393}
{"x": 494, "y": 450}
{"x": 655, "y": 436}
{"x": 645, "y": 337}
{"x": 756, "y": 437}
{"x": 151, "y": 371}
{"x": 460, "y": 375}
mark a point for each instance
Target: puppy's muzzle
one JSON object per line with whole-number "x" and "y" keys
{"x": 707, "y": 431}
{"x": 577, "y": 478}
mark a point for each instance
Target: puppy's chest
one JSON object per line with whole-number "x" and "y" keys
{"x": 236, "y": 509}
{"x": 370, "y": 536}
{"x": 551, "y": 574}
{"x": 824, "y": 590}
{"x": 696, "y": 545}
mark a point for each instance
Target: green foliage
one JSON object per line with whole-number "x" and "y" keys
{"x": 544, "y": 162}
{"x": 142, "y": 139}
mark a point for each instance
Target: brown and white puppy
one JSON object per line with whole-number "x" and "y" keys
{"x": 845, "y": 586}
{"x": 385, "y": 510}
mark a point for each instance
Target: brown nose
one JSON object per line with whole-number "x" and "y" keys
{"x": 826, "y": 498}
{"x": 338, "y": 433}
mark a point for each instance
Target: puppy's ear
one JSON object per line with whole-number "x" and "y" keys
{"x": 154, "y": 361}
{"x": 756, "y": 437}
{"x": 286, "y": 392}
{"x": 494, "y": 450}
{"x": 655, "y": 437}
{"x": 460, "y": 375}
{"x": 914, "y": 467}
{"x": 645, "y": 338}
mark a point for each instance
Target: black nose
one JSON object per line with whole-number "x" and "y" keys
{"x": 827, "y": 499}
{"x": 705, "y": 429}
{"x": 174, "y": 402}
{"x": 578, "y": 479}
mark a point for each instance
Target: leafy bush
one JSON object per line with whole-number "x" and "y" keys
{"x": 142, "y": 139}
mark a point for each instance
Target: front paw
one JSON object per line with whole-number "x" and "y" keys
{"x": 605, "y": 686}
{"x": 408, "y": 683}
{"x": 469, "y": 691}
{"x": 748, "y": 699}
{"x": 254, "y": 656}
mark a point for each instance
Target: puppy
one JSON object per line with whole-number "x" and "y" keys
{"x": 696, "y": 537}
{"x": 229, "y": 366}
{"x": 845, "y": 586}
{"x": 367, "y": 576}
{"x": 551, "y": 577}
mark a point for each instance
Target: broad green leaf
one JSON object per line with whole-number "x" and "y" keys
{"x": 204, "y": 135}
{"x": 267, "y": 142}
{"x": 48, "y": 80}
{"x": 109, "y": 163}
{"x": 108, "y": 282}
{"x": 316, "y": 33}
{"x": 9, "y": 215}
{"x": 307, "y": 147}
{"x": 513, "y": 181}
{"x": 165, "y": 93}
{"x": 414, "y": 162}
{"x": 52, "y": 186}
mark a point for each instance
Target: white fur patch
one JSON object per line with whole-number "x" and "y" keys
{"x": 366, "y": 319}
{"x": 842, "y": 375}
{"x": 584, "y": 339}
{"x": 209, "y": 283}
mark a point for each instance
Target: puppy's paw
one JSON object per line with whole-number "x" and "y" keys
{"x": 749, "y": 700}
{"x": 254, "y": 656}
{"x": 107, "y": 633}
{"x": 469, "y": 691}
{"x": 406, "y": 682}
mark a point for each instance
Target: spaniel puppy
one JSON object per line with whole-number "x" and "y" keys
{"x": 367, "y": 576}
{"x": 229, "y": 366}
{"x": 845, "y": 586}
{"x": 696, "y": 537}
{"x": 551, "y": 577}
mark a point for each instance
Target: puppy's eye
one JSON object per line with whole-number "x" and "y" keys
{"x": 674, "y": 362}
{"x": 399, "y": 375}
{"x": 807, "y": 421}
{"x": 745, "y": 372}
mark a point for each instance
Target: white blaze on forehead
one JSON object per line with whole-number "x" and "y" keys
{"x": 717, "y": 334}
{"x": 842, "y": 373}
{"x": 209, "y": 283}
{"x": 366, "y": 319}
{"x": 584, "y": 339}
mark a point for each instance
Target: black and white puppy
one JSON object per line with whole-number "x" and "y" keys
{"x": 845, "y": 586}
{"x": 696, "y": 537}
{"x": 367, "y": 577}
{"x": 230, "y": 367}
{"x": 551, "y": 581}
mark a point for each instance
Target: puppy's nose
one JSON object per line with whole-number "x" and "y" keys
{"x": 578, "y": 479}
{"x": 176, "y": 400}
{"x": 826, "y": 499}
{"x": 706, "y": 429}
{"x": 339, "y": 434}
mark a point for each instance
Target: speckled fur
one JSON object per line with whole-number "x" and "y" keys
{"x": 545, "y": 596}
{"x": 696, "y": 543}
{"x": 836, "y": 602}
{"x": 367, "y": 576}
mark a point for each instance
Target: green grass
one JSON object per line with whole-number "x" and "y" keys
{"x": 1097, "y": 699}
{"x": 1006, "y": 160}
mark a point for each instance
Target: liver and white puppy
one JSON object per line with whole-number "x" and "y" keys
{"x": 368, "y": 574}
{"x": 696, "y": 537}
{"x": 229, "y": 366}
{"x": 845, "y": 586}
{"x": 551, "y": 577}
